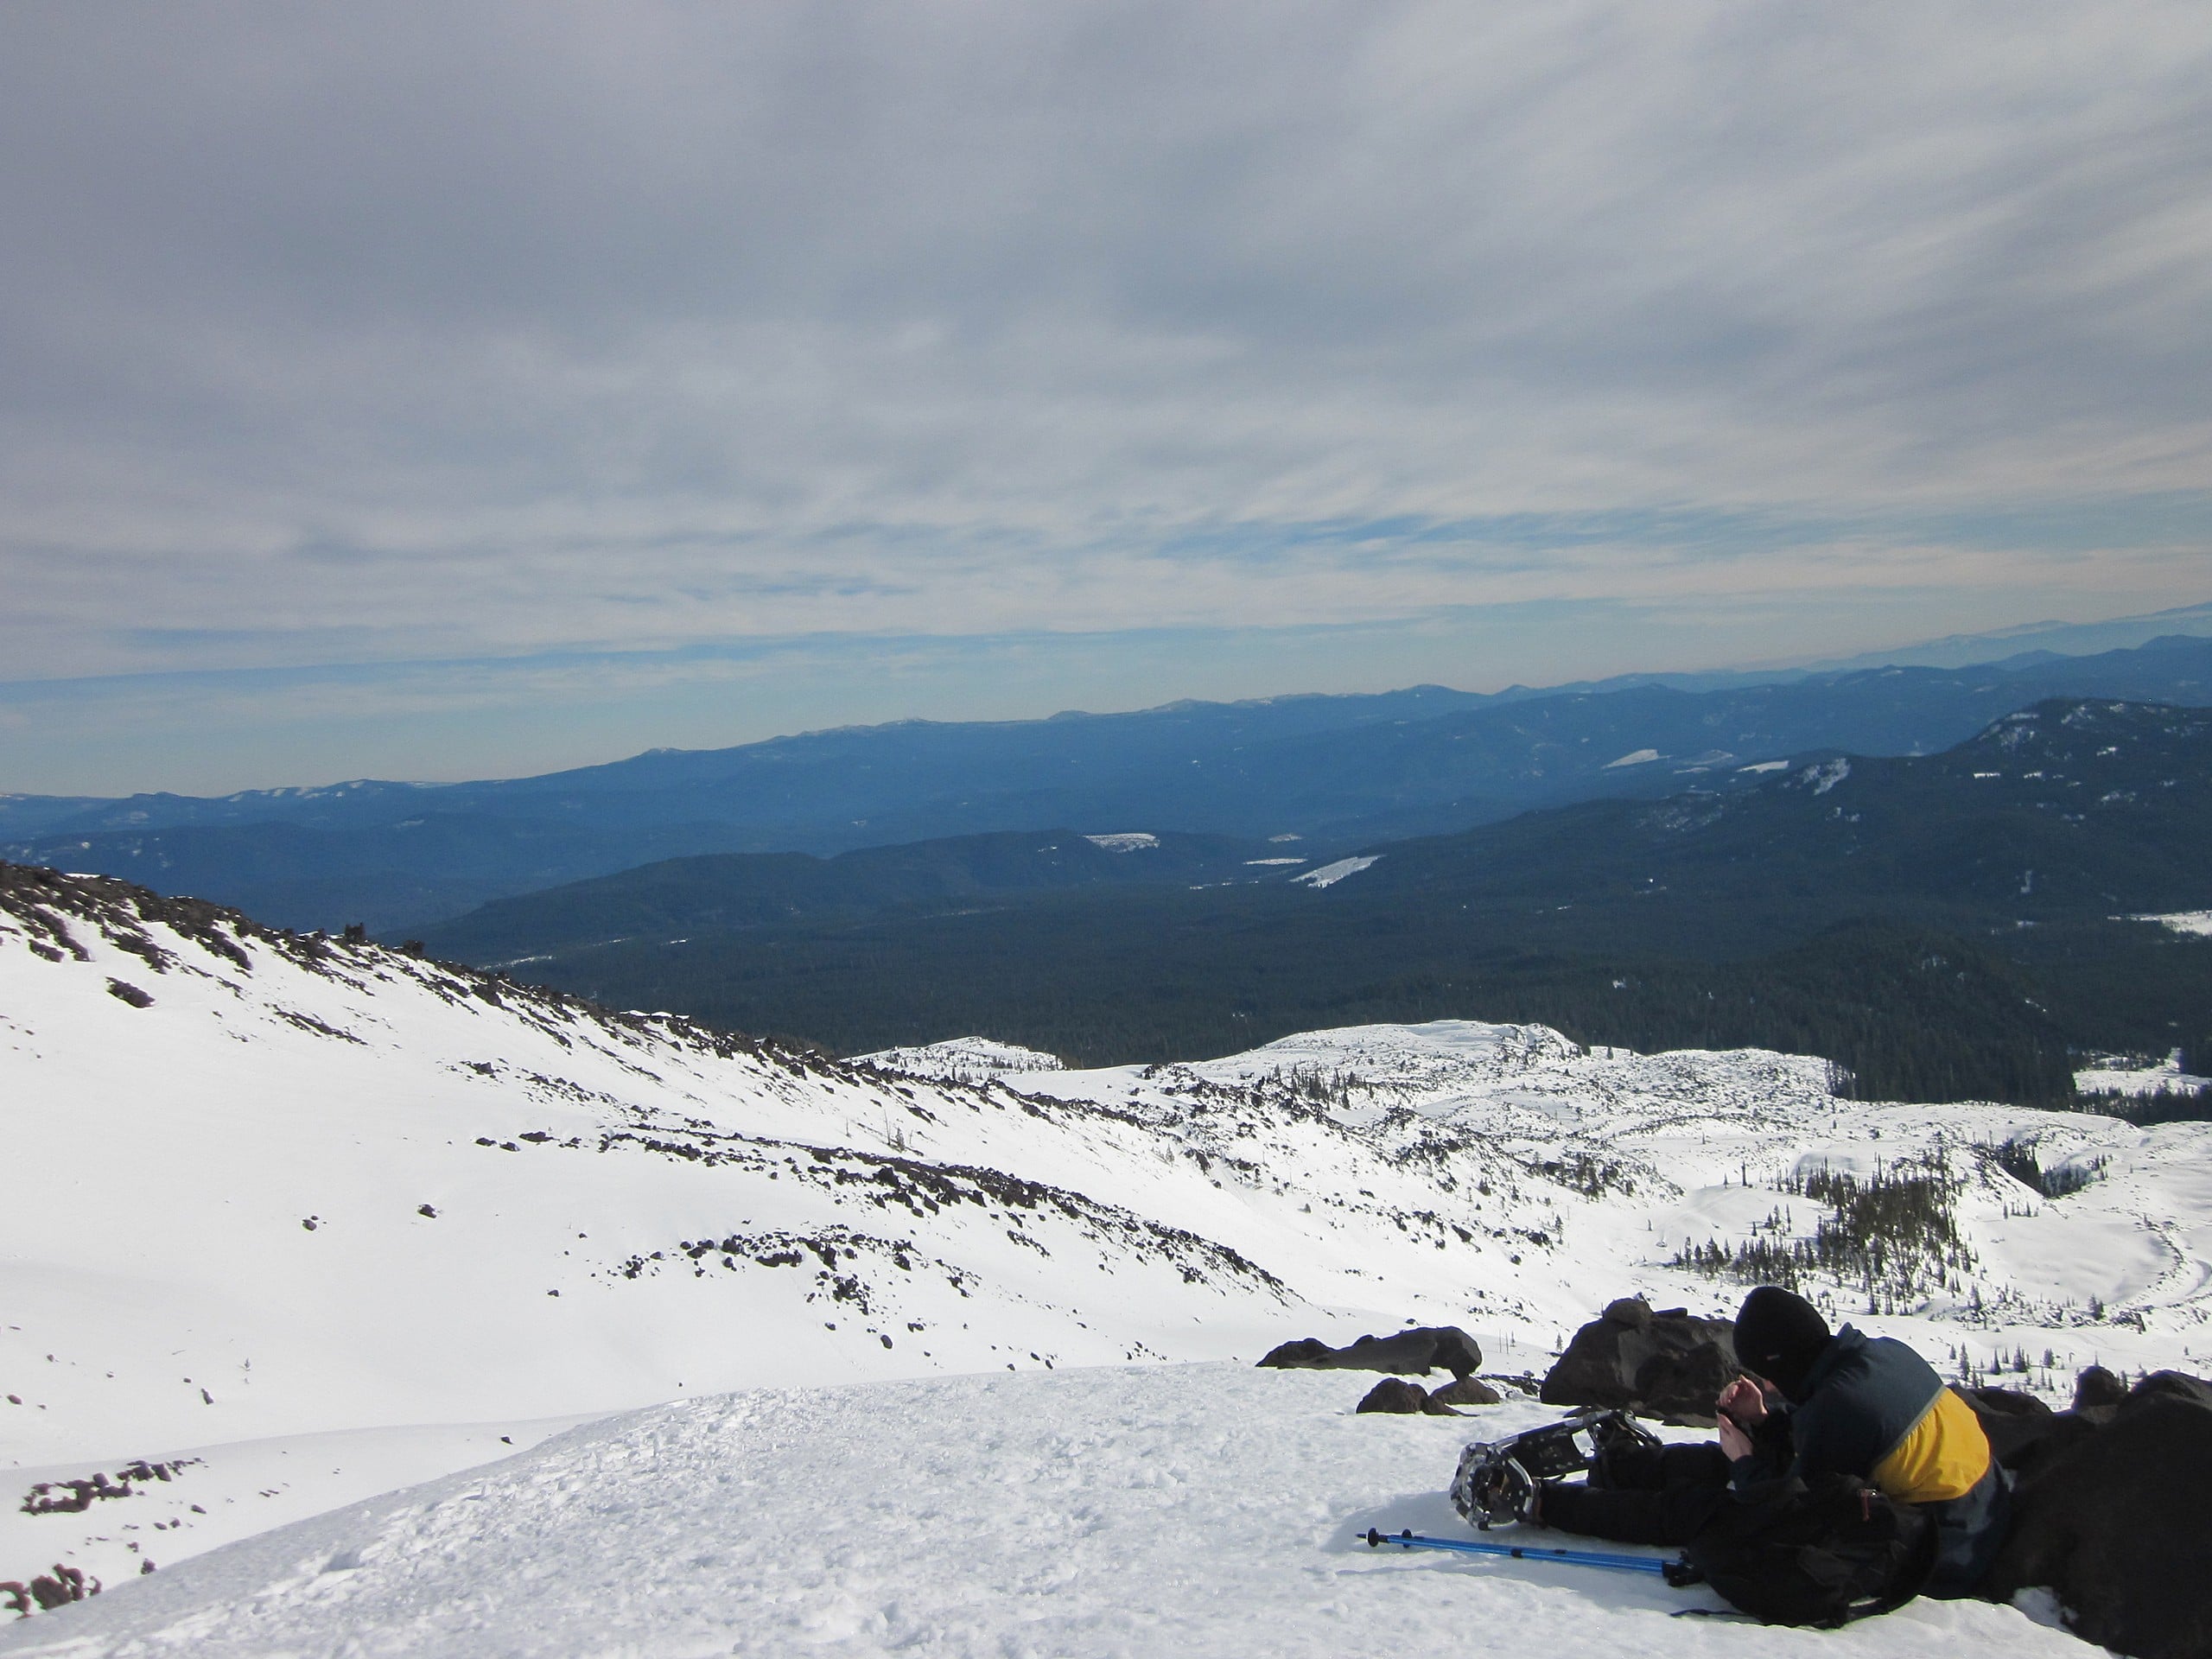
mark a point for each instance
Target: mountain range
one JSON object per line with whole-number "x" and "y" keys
{"x": 1337, "y": 771}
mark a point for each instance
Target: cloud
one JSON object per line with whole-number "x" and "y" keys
{"x": 489, "y": 331}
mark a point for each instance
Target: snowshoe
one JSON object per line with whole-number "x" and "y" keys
{"x": 1496, "y": 1480}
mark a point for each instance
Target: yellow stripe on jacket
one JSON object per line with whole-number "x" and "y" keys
{"x": 1944, "y": 1455}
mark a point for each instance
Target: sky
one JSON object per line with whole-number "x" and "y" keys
{"x": 467, "y": 390}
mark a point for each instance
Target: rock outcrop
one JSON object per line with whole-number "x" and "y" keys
{"x": 2108, "y": 1513}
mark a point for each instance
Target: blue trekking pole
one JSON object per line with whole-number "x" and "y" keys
{"x": 1675, "y": 1573}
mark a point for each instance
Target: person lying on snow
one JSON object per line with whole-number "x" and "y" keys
{"x": 1815, "y": 1404}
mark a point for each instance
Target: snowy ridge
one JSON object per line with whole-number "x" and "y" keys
{"x": 269, "y": 1191}
{"x": 963, "y": 1059}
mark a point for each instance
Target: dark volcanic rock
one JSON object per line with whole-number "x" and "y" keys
{"x": 2177, "y": 1384}
{"x": 1394, "y": 1394}
{"x": 2110, "y": 1515}
{"x": 2014, "y": 1421}
{"x": 2098, "y": 1387}
{"x": 1410, "y": 1353}
{"x": 1467, "y": 1391}
{"x": 1667, "y": 1363}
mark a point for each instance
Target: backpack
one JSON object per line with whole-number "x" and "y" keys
{"x": 1821, "y": 1553}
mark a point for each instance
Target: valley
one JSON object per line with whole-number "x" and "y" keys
{"x": 1951, "y": 925}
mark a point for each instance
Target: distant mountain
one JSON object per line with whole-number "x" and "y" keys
{"x": 1408, "y": 763}
{"x": 2061, "y": 639}
{"x": 1795, "y": 908}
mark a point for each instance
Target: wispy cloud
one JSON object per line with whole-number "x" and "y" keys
{"x": 495, "y": 333}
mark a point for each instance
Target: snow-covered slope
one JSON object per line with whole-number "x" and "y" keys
{"x": 264, "y": 1185}
{"x": 326, "y": 1217}
{"x": 1159, "y": 1510}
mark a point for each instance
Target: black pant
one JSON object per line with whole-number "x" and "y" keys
{"x": 1643, "y": 1495}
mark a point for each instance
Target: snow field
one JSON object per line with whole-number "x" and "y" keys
{"x": 291, "y": 1209}
{"x": 216, "y": 1495}
{"x": 2165, "y": 1077}
{"x": 2196, "y": 922}
{"x": 1192, "y": 1509}
{"x": 1329, "y": 874}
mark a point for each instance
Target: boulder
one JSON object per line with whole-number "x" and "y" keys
{"x": 2109, "y": 1515}
{"x": 1467, "y": 1391}
{"x": 1415, "y": 1353}
{"x": 2013, "y": 1421}
{"x": 2177, "y": 1384}
{"x": 1668, "y": 1363}
{"x": 1394, "y": 1394}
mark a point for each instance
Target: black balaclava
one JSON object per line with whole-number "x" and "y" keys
{"x": 1779, "y": 1335}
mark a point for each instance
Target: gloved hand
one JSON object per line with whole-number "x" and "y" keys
{"x": 1743, "y": 1401}
{"x": 1733, "y": 1440}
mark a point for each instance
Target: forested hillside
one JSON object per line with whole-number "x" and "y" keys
{"x": 1942, "y": 926}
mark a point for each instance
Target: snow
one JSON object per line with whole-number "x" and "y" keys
{"x": 1193, "y": 1510}
{"x": 1826, "y": 775}
{"x": 2165, "y": 1077}
{"x": 2196, "y": 922}
{"x": 963, "y": 1059}
{"x": 329, "y": 1218}
{"x": 216, "y": 1495}
{"x": 1129, "y": 841}
{"x": 1633, "y": 757}
{"x": 1765, "y": 765}
{"x": 1262, "y": 861}
{"x": 1329, "y": 874}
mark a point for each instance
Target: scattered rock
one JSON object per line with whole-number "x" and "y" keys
{"x": 1666, "y": 1364}
{"x": 1415, "y": 1353}
{"x": 75, "y": 1497}
{"x": 48, "y": 1591}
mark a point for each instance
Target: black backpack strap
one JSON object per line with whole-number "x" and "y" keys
{"x": 1910, "y": 1582}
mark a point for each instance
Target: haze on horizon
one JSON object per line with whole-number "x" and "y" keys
{"x": 463, "y": 390}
